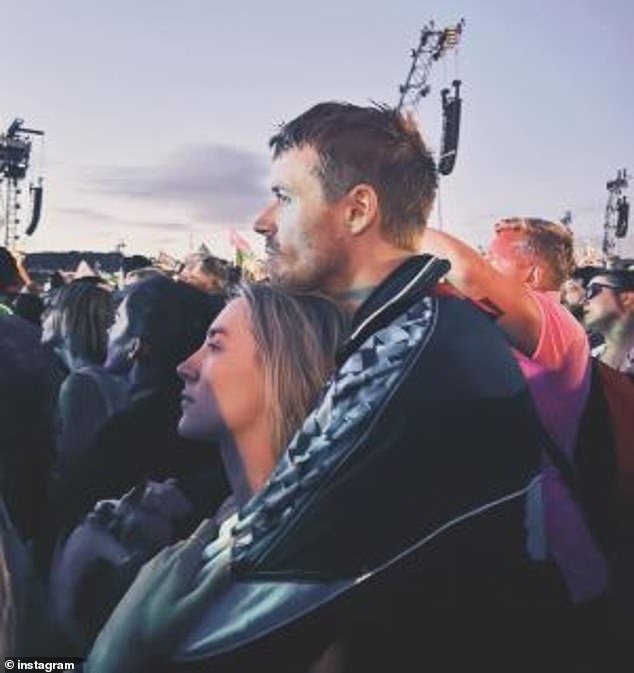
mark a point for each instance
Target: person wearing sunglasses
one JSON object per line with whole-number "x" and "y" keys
{"x": 609, "y": 311}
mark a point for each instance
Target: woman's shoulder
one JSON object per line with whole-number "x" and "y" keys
{"x": 90, "y": 383}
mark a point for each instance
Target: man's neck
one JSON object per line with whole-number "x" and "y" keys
{"x": 351, "y": 299}
{"x": 619, "y": 341}
{"x": 370, "y": 272}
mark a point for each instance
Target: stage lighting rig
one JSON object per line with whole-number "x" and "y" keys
{"x": 432, "y": 46}
{"x": 617, "y": 212}
{"x": 15, "y": 155}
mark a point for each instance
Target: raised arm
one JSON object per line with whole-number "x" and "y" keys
{"x": 519, "y": 314}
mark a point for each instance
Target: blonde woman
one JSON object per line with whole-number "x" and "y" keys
{"x": 252, "y": 382}
{"x": 249, "y": 387}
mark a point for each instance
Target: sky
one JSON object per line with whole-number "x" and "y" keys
{"x": 157, "y": 112}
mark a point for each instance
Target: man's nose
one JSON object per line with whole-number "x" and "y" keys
{"x": 265, "y": 223}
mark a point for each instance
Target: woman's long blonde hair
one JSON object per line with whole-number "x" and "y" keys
{"x": 297, "y": 337}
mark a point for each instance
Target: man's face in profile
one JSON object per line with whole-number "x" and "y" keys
{"x": 305, "y": 241}
{"x": 509, "y": 255}
{"x": 603, "y": 306}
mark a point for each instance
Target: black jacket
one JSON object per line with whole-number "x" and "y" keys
{"x": 405, "y": 518}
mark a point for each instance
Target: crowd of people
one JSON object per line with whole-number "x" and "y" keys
{"x": 394, "y": 453}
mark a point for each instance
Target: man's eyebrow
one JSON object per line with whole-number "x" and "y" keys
{"x": 278, "y": 189}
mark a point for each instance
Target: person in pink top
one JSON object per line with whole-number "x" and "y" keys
{"x": 518, "y": 281}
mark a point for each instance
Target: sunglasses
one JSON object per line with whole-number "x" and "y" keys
{"x": 593, "y": 289}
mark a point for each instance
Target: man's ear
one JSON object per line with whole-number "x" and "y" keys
{"x": 627, "y": 300}
{"x": 533, "y": 276}
{"x": 536, "y": 277}
{"x": 362, "y": 205}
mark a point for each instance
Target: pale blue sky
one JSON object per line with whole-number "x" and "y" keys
{"x": 157, "y": 112}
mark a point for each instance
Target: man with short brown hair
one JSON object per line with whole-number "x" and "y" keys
{"x": 404, "y": 520}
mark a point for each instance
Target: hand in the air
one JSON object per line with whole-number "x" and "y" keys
{"x": 167, "y": 598}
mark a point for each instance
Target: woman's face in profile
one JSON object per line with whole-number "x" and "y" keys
{"x": 224, "y": 381}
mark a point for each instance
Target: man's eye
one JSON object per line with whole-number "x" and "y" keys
{"x": 213, "y": 345}
{"x": 283, "y": 198}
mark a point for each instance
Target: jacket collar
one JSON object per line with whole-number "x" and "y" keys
{"x": 410, "y": 281}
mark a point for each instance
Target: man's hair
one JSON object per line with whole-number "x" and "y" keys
{"x": 374, "y": 145}
{"x": 143, "y": 273}
{"x": 623, "y": 279}
{"x": 206, "y": 272}
{"x": 297, "y": 336}
{"x": 550, "y": 241}
{"x": 213, "y": 264}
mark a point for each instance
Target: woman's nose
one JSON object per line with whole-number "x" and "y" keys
{"x": 188, "y": 369}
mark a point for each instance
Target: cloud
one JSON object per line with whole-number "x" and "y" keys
{"x": 174, "y": 227}
{"x": 216, "y": 182}
{"x": 89, "y": 214}
{"x": 92, "y": 215}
